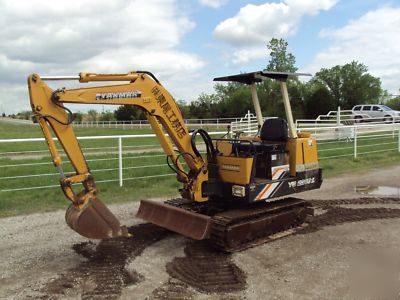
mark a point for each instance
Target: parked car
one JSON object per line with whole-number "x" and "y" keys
{"x": 375, "y": 112}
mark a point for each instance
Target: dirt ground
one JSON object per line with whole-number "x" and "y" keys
{"x": 349, "y": 250}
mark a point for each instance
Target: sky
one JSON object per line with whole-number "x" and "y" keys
{"x": 186, "y": 43}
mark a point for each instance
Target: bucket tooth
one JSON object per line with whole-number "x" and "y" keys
{"x": 190, "y": 224}
{"x": 95, "y": 221}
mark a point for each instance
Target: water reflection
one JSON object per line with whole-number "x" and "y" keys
{"x": 378, "y": 190}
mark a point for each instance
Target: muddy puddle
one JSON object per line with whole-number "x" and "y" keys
{"x": 103, "y": 273}
{"x": 388, "y": 191}
{"x": 334, "y": 214}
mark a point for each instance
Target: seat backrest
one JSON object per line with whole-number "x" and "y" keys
{"x": 274, "y": 129}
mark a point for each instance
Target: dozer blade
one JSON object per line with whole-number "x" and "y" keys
{"x": 190, "y": 224}
{"x": 94, "y": 221}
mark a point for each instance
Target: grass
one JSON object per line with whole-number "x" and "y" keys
{"x": 45, "y": 200}
{"x": 104, "y": 167}
{"x": 21, "y": 131}
{"x": 348, "y": 165}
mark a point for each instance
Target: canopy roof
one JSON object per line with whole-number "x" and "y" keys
{"x": 259, "y": 76}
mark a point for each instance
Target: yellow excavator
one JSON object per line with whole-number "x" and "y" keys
{"x": 232, "y": 195}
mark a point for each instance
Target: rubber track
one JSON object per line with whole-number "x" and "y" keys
{"x": 103, "y": 275}
{"x": 336, "y": 215}
{"x": 276, "y": 219}
{"x": 207, "y": 269}
{"x": 285, "y": 214}
{"x": 355, "y": 201}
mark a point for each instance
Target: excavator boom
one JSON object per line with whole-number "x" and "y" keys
{"x": 87, "y": 215}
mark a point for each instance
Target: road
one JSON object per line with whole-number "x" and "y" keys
{"x": 350, "y": 249}
{"x": 16, "y": 121}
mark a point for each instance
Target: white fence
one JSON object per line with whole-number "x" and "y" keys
{"x": 216, "y": 122}
{"x": 116, "y": 151}
{"x": 352, "y": 139}
{"x": 247, "y": 124}
{"x": 333, "y": 142}
{"x": 343, "y": 117}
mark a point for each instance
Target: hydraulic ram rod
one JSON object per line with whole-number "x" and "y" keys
{"x": 88, "y": 77}
{"x": 72, "y": 77}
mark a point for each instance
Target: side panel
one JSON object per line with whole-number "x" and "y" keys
{"x": 303, "y": 154}
{"x": 282, "y": 185}
{"x": 235, "y": 169}
{"x": 286, "y": 185}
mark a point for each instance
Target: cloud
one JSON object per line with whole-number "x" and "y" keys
{"x": 242, "y": 56}
{"x": 255, "y": 25}
{"x": 213, "y": 3}
{"x": 66, "y": 37}
{"x": 372, "y": 40}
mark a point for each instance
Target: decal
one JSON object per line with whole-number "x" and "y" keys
{"x": 118, "y": 95}
{"x": 277, "y": 173}
{"x": 301, "y": 182}
{"x": 169, "y": 112}
{"x": 230, "y": 167}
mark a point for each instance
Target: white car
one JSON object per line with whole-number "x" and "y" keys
{"x": 375, "y": 112}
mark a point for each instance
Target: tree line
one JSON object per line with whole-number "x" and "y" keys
{"x": 342, "y": 85}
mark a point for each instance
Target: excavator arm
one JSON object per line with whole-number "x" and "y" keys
{"x": 87, "y": 214}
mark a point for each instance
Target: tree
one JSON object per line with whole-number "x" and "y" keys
{"x": 185, "y": 109}
{"x": 394, "y": 103}
{"x": 234, "y": 100}
{"x": 350, "y": 84}
{"x": 280, "y": 59}
{"x": 24, "y": 115}
{"x": 204, "y": 107}
{"x": 92, "y": 115}
{"x": 128, "y": 113}
{"x": 107, "y": 116}
{"x": 318, "y": 100}
{"x": 77, "y": 117}
{"x": 270, "y": 93}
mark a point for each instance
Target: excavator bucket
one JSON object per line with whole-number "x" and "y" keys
{"x": 94, "y": 221}
{"x": 190, "y": 224}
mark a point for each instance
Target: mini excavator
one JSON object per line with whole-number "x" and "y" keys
{"x": 233, "y": 195}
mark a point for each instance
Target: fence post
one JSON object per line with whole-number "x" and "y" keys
{"x": 398, "y": 138}
{"x": 338, "y": 123}
{"x": 355, "y": 141}
{"x": 120, "y": 161}
{"x": 248, "y": 121}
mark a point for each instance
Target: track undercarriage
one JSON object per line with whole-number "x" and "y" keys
{"x": 231, "y": 229}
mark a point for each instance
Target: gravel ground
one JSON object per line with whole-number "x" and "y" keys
{"x": 347, "y": 258}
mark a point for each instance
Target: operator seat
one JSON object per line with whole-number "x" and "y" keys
{"x": 274, "y": 130}
{"x": 273, "y": 135}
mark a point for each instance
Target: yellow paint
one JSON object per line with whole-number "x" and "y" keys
{"x": 224, "y": 147}
{"x": 235, "y": 170}
{"x": 302, "y": 150}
